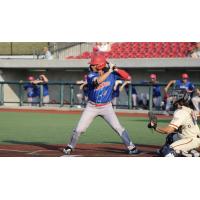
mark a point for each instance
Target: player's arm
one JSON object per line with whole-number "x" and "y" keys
{"x": 117, "y": 82}
{"x": 102, "y": 77}
{"x": 169, "y": 85}
{"x": 122, "y": 73}
{"x": 45, "y": 79}
{"x": 165, "y": 130}
{"x": 37, "y": 82}
{"x": 123, "y": 85}
{"x": 83, "y": 85}
{"x": 79, "y": 82}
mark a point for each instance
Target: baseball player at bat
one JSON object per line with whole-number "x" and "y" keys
{"x": 101, "y": 81}
{"x": 183, "y": 134}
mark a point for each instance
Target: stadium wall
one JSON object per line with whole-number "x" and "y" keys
{"x": 73, "y": 70}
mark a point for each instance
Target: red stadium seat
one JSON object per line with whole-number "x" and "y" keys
{"x": 144, "y": 50}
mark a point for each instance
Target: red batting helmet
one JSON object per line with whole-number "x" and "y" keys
{"x": 99, "y": 60}
{"x": 153, "y": 76}
{"x": 185, "y": 76}
{"x": 31, "y": 78}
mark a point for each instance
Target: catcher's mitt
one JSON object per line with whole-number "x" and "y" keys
{"x": 152, "y": 120}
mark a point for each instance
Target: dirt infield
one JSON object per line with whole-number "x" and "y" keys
{"x": 82, "y": 150}
{"x": 60, "y": 111}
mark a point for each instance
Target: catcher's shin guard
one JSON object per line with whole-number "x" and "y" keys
{"x": 170, "y": 153}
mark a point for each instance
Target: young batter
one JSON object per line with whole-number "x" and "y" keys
{"x": 101, "y": 81}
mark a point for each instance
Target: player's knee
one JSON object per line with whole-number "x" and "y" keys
{"x": 79, "y": 130}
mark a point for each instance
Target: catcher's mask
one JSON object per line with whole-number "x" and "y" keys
{"x": 98, "y": 60}
{"x": 181, "y": 97}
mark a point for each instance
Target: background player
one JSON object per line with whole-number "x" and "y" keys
{"x": 183, "y": 131}
{"x": 116, "y": 92}
{"x": 101, "y": 81}
{"x": 82, "y": 96}
{"x": 133, "y": 92}
{"x": 44, "y": 81}
{"x": 157, "y": 98}
{"x": 32, "y": 91}
{"x": 179, "y": 84}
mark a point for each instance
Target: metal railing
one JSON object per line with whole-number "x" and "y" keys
{"x": 71, "y": 93}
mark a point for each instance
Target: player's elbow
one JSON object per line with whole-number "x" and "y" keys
{"x": 128, "y": 78}
{"x": 170, "y": 129}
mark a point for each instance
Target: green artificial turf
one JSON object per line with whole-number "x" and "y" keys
{"x": 43, "y": 128}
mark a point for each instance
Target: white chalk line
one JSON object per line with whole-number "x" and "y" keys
{"x": 71, "y": 156}
{"x": 15, "y": 150}
{"x": 37, "y": 151}
{"x": 27, "y": 152}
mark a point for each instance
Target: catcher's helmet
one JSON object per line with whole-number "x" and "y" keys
{"x": 99, "y": 60}
{"x": 180, "y": 95}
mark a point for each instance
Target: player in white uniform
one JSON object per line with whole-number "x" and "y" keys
{"x": 183, "y": 131}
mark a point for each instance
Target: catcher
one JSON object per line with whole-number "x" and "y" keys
{"x": 183, "y": 134}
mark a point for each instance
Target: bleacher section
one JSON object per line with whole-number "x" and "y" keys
{"x": 144, "y": 50}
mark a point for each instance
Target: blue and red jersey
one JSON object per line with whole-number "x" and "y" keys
{"x": 103, "y": 92}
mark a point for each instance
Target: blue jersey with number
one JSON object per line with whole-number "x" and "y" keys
{"x": 103, "y": 92}
{"x": 180, "y": 85}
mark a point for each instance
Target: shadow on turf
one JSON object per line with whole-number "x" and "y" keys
{"x": 37, "y": 144}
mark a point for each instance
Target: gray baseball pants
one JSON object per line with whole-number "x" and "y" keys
{"x": 107, "y": 113}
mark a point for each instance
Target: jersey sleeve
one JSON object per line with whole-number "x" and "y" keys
{"x": 116, "y": 76}
{"x": 178, "y": 119}
{"x": 91, "y": 77}
{"x": 191, "y": 86}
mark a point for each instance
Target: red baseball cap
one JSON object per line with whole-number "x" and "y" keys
{"x": 153, "y": 76}
{"x": 31, "y": 78}
{"x": 185, "y": 76}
